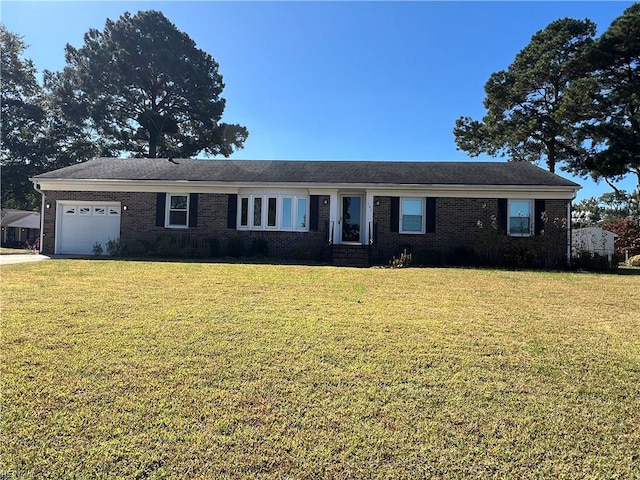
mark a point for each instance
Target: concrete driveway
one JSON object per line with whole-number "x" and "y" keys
{"x": 22, "y": 258}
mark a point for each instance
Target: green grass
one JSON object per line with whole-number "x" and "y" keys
{"x": 117, "y": 369}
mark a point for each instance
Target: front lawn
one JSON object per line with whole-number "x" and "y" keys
{"x": 114, "y": 369}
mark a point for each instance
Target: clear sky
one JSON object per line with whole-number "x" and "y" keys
{"x": 335, "y": 80}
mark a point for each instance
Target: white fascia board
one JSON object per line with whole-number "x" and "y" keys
{"x": 174, "y": 186}
{"x": 178, "y": 186}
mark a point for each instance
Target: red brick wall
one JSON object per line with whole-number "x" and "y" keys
{"x": 456, "y": 226}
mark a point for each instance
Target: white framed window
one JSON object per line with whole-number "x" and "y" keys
{"x": 274, "y": 212}
{"x": 99, "y": 211}
{"x": 84, "y": 211}
{"x": 113, "y": 211}
{"x": 520, "y": 218}
{"x": 69, "y": 210}
{"x": 412, "y": 215}
{"x": 177, "y": 215}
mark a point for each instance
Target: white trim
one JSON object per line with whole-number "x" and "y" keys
{"x": 423, "y": 204}
{"x": 430, "y": 190}
{"x": 531, "y": 217}
{"x": 168, "y": 209}
{"x": 264, "y": 217}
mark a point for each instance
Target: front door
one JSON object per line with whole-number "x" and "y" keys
{"x": 351, "y": 219}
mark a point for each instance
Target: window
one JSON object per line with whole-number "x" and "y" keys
{"x": 84, "y": 211}
{"x": 99, "y": 211}
{"x": 520, "y": 215}
{"x": 244, "y": 212}
{"x": 178, "y": 211}
{"x": 274, "y": 212}
{"x": 412, "y": 215}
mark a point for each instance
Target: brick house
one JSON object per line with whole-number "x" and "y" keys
{"x": 356, "y": 212}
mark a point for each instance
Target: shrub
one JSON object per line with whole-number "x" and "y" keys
{"x": 214, "y": 247}
{"x": 404, "y": 260}
{"x": 135, "y": 248}
{"x": 464, "y": 255}
{"x": 97, "y": 249}
{"x": 259, "y": 248}
{"x": 235, "y": 247}
{"x": 115, "y": 247}
{"x": 593, "y": 262}
{"x": 634, "y": 261}
{"x": 429, "y": 257}
{"x": 168, "y": 246}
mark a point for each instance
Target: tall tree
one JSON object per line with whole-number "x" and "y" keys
{"x": 142, "y": 87}
{"x": 528, "y": 115}
{"x": 613, "y": 129}
{"x": 20, "y": 122}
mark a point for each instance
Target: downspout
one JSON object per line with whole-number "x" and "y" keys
{"x": 42, "y": 208}
{"x": 569, "y": 228}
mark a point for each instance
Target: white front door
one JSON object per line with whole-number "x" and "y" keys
{"x": 82, "y": 225}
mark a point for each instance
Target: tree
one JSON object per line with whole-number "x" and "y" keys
{"x": 529, "y": 117}
{"x": 628, "y": 231}
{"x": 142, "y": 87}
{"x": 21, "y": 122}
{"x": 613, "y": 131}
{"x": 607, "y": 208}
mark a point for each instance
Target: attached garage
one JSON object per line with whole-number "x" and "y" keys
{"x": 82, "y": 225}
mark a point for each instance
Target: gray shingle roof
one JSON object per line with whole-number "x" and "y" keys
{"x": 311, "y": 172}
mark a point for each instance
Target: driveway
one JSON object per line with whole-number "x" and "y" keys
{"x": 22, "y": 258}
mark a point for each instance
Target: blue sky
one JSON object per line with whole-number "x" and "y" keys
{"x": 335, "y": 80}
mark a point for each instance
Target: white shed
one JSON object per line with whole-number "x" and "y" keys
{"x": 593, "y": 240}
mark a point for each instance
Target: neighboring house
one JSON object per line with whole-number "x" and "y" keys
{"x": 19, "y": 227}
{"x": 593, "y": 240}
{"x": 359, "y": 212}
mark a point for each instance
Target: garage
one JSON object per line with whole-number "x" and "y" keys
{"x": 82, "y": 225}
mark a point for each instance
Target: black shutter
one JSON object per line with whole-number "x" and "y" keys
{"x": 431, "y": 215}
{"x": 193, "y": 210}
{"x": 538, "y": 209}
{"x": 232, "y": 210}
{"x": 161, "y": 200}
{"x": 314, "y": 206}
{"x": 394, "y": 216}
{"x": 502, "y": 214}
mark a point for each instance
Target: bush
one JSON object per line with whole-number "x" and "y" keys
{"x": 592, "y": 262}
{"x": 97, "y": 249}
{"x": 135, "y": 248}
{"x": 115, "y": 247}
{"x": 259, "y": 248}
{"x": 464, "y": 256}
{"x": 403, "y": 261}
{"x": 428, "y": 257}
{"x": 214, "y": 247}
{"x": 235, "y": 247}
{"x": 634, "y": 261}
{"x": 168, "y": 246}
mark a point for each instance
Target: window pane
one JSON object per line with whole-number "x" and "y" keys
{"x": 244, "y": 211}
{"x": 179, "y": 202}
{"x": 177, "y": 217}
{"x": 520, "y": 209}
{"x": 412, "y": 207}
{"x": 257, "y": 212}
{"x": 519, "y": 225}
{"x": 412, "y": 223}
{"x": 271, "y": 212}
{"x": 301, "y": 219}
{"x": 287, "y": 214}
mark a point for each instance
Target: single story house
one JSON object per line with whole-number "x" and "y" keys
{"x": 593, "y": 240}
{"x": 350, "y": 212}
{"x": 19, "y": 227}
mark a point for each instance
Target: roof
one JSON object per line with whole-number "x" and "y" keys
{"x": 19, "y": 218}
{"x": 310, "y": 172}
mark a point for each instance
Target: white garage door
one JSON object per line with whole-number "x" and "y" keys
{"x": 83, "y": 225}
